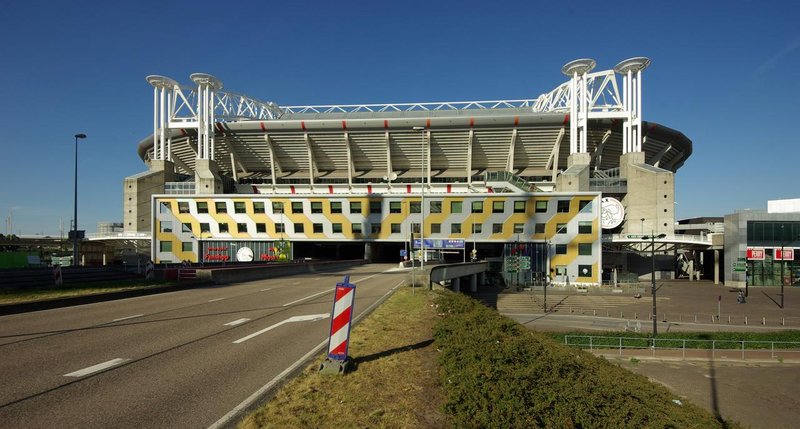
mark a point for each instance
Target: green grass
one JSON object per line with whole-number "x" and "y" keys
{"x": 498, "y": 374}
{"x": 17, "y": 296}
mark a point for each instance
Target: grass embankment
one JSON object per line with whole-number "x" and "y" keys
{"x": 498, "y": 374}
{"x": 17, "y": 296}
{"x": 483, "y": 370}
{"x": 694, "y": 340}
{"x": 394, "y": 383}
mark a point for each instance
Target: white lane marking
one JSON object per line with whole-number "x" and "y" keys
{"x": 236, "y": 322}
{"x": 96, "y": 368}
{"x": 215, "y": 300}
{"x": 310, "y": 317}
{"x": 129, "y": 317}
{"x": 264, "y": 290}
{"x": 224, "y": 420}
{"x": 308, "y": 297}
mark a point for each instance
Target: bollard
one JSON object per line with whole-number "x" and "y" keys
{"x": 729, "y": 319}
{"x": 635, "y": 315}
{"x": 607, "y": 313}
{"x": 337, "y": 361}
{"x": 783, "y": 321}
{"x": 695, "y": 318}
{"x": 763, "y": 320}
{"x": 745, "y": 320}
{"x": 621, "y": 316}
{"x": 594, "y": 312}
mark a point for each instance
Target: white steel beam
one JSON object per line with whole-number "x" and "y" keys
{"x": 511, "y": 149}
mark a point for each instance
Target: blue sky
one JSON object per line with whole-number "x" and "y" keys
{"x": 723, "y": 73}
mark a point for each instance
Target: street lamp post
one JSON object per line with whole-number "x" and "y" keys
{"x": 652, "y": 239}
{"x": 75, "y": 206}
{"x": 422, "y": 198}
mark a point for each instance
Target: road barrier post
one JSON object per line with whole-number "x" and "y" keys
{"x": 337, "y": 361}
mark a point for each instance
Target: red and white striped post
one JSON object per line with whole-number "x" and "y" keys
{"x": 341, "y": 319}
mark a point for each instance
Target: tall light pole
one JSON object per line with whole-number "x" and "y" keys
{"x": 75, "y": 206}
{"x": 652, "y": 239}
{"x": 422, "y": 199}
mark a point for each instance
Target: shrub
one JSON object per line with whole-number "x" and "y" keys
{"x": 497, "y": 374}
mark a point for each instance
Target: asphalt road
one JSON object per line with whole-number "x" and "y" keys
{"x": 180, "y": 359}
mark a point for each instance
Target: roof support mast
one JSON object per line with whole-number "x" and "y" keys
{"x": 207, "y": 86}
{"x": 631, "y": 71}
{"x": 578, "y": 103}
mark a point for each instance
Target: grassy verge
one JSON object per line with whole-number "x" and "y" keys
{"x": 723, "y": 340}
{"x": 497, "y": 374}
{"x": 394, "y": 383}
{"x": 16, "y": 296}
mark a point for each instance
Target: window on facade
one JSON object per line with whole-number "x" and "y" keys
{"x": 186, "y": 227}
{"x": 497, "y": 228}
{"x": 297, "y": 207}
{"x": 375, "y": 228}
{"x": 539, "y": 228}
{"x": 336, "y": 228}
{"x": 541, "y": 206}
{"x": 223, "y": 227}
{"x": 183, "y": 207}
{"x": 395, "y": 228}
{"x": 498, "y": 207}
{"x": 202, "y": 207}
{"x": 563, "y": 206}
{"x": 456, "y": 206}
{"x": 519, "y": 206}
{"x": 336, "y": 206}
{"x": 316, "y": 207}
{"x": 241, "y": 228}
{"x": 436, "y": 228}
{"x": 221, "y": 207}
{"x": 415, "y": 228}
{"x": 584, "y": 270}
{"x": 585, "y": 249}
{"x": 414, "y": 207}
{"x": 374, "y": 207}
{"x": 317, "y": 228}
{"x": 277, "y": 207}
{"x": 258, "y": 207}
{"x": 394, "y": 207}
{"x": 355, "y": 207}
{"x": 519, "y": 228}
{"x": 477, "y": 228}
{"x": 261, "y": 228}
{"x": 584, "y": 227}
{"x": 436, "y": 206}
{"x": 477, "y": 207}
{"x": 561, "y": 249}
{"x": 187, "y": 246}
{"x": 165, "y": 246}
{"x": 455, "y": 228}
{"x": 299, "y": 228}
{"x": 205, "y": 227}
{"x": 356, "y": 228}
{"x": 280, "y": 228}
{"x": 166, "y": 226}
{"x": 165, "y": 207}
{"x": 561, "y": 228}
{"x": 585, "y": 204}
{"x": 561, "y": 270}
{"x": 238, "y": 207}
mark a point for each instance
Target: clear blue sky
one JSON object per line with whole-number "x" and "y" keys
{"x": 723, "y": 73}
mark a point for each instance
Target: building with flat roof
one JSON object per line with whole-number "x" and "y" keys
{"x": 544, "y": 184}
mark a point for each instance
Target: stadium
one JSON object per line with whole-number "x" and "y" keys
{"x": 567, "y": 183}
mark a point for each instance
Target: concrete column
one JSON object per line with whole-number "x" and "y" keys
{"x": 368, "y": 251}
{"x": 456, "y": 284}
{"x": 716, "y": 267}
{"x": 473, "y": 283}
{"x": 691, "y": 268}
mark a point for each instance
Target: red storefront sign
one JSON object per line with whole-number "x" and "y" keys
{"x": 755, "y": 253}
{"x": 785, "y": 254}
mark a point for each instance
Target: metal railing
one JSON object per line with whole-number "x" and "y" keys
{"x": 686, "y": 348}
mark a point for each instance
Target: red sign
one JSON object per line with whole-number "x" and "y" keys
{"x": 755, "y": 253}
{"x": 785, "y": 254}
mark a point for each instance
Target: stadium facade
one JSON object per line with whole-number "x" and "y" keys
{"x": 550, "y": 180}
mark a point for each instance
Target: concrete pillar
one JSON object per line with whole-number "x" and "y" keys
{"x": 716, "y": 267}
{"x": 206, "y": 177}
{"x": 691, "y": 268}
{"x": 368, "y": 251}
{"x": 456, "y": 284}
{"x": 473, "y": 283}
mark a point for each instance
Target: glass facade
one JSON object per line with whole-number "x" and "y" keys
{"x": 778, "y": 266}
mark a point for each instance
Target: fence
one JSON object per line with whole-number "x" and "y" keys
{"x": 686, "y": 348}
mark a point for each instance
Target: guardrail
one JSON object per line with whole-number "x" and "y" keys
{"x": 683, "y": 348}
